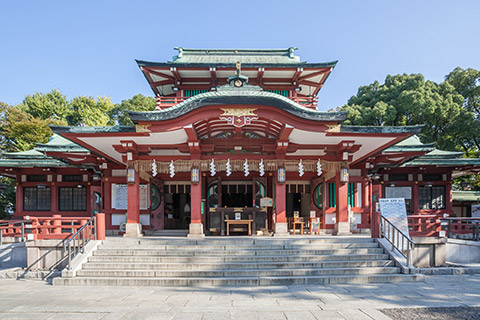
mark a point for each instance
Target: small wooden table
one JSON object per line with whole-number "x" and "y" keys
{"x": 301, "y": 223}
{"x": 234, "y": 222}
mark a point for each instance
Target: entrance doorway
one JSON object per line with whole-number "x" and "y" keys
{"x": 177, "y": 206}
{"x": 298, "y": 201}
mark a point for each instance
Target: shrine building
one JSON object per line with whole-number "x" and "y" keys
{"x": 236, "y": 135}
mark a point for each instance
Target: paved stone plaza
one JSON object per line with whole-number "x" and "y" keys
{"x": 33, "y": 299}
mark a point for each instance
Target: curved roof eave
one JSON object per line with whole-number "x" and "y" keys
{"x": 241, "y": 97}
{"x": 332, "y": 64}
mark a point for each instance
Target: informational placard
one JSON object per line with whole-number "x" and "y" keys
{"x": 395, "y": 211}
{"x": 398, "y": 192}
{"x": 144, "y": 197}
{"x": 316, "y": 225}
{"x": 120, "y": 196}
{"x": 475, "y": 210}
{"x": 266, "y": 202}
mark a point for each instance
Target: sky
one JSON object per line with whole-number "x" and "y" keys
{"x": 87, "y": 48}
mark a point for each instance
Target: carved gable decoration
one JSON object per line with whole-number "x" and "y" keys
{"x": 238, "y": 117}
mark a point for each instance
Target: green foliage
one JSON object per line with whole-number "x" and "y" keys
{"x": 7, "y": 197}
{"x": 20, "y": 130}
{"x": 138, "y": 103}
{"x": 410, "y": 100}
{"x": 86, "y": 111}
{"x": 53, "y": 105}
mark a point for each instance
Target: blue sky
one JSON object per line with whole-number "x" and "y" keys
{"x": 88, "y": 47}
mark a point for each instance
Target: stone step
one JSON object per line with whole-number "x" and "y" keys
{"x": 217, "y": 259}
{"x": 238, "y": 281}
{"x": 160, "y": 253}
{"x": 236, "y": 241}
{"x": 241, "y": 247}
{"x": 237, "y": 266}
{"x": 235, "y": 273}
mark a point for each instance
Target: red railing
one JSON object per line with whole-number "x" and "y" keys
{"x": 455, "y": 226}
{"x": 425, "y": 225}
{"x": 309, "y": 102}
{"x": 12, "y": 228}
{"x": 55, "y": 227}
{"x": 170, "y": 101}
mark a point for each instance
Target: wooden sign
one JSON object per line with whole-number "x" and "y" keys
{"x": 266, "y": 202}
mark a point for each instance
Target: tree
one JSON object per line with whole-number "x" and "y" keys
{"x": 7, "y": 197}
{"x": 410, "y": 100}
{"x": 138, "y": 103}
{"x": 467, "y": 83}
{"x": 20, "y": 130}
{"x": 53, "y": 105}
{"x": 86, "y": 111}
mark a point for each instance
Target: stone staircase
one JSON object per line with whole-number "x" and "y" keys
{"x": 237, "y": 261}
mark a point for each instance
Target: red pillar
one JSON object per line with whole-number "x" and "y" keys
{"x": 133, "y": 227}
{"x": 100, "y": 226}
{"x": 57, "y": 223}
{"x": 196, "y": 225}
{"x": 342, "y": 225}
{"x": 449, "y": 197}
{"x": 196, "y": 200}
{"x": 281, "y": 227}
{"x": 415, "y": 199}
{"x": 281, "y": 202}
{"x": 133, "y": 209}
{"x": 19, "y": 198}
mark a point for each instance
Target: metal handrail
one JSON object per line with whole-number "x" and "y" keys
{"x": 473, "y": 222}
{"x": 11, "y": 224}
{"x": 83, "y": 235}
{"x": 397, "y": 238}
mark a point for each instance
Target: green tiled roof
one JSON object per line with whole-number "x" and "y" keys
{"x": 229, "y": 57}
{"x": 469, "y": 196}
{"x": 421, "y": 161}
{"x": 227, "y": 95}
{"x": 57, "y": 143}
{"x": 371, "y": 129}
{"x": 411, "y": 144}
{"x": 47, "y": 162}
{"x": 106, "y": 129}
{"x": 245, "y": 56}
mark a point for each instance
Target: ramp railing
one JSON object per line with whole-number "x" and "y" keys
{"x": 397, "y": 238}
{"x": 76, "y": 243}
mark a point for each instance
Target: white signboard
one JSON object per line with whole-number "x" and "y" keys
{"x": 398, "y": 192}
{"x": 395, "y": 211}
{"x": 120, "y": 196}
{"x": 475, "y": 210}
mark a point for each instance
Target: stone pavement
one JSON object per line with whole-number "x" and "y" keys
{"x": 34, "y": 299}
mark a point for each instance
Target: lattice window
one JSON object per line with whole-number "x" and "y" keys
{"x": 72, "y": 199}
{"x": 36, "y": 199}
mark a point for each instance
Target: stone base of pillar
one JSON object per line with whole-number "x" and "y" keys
{"x": 342, "y": 229}
{"x": 133, "y": 230}
{"x": 196, "y": 230}
{"x": 281, "y": 229}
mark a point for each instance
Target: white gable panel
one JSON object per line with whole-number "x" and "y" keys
{"x": 105, "y": 144}
{"x": 368, "y": 143}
